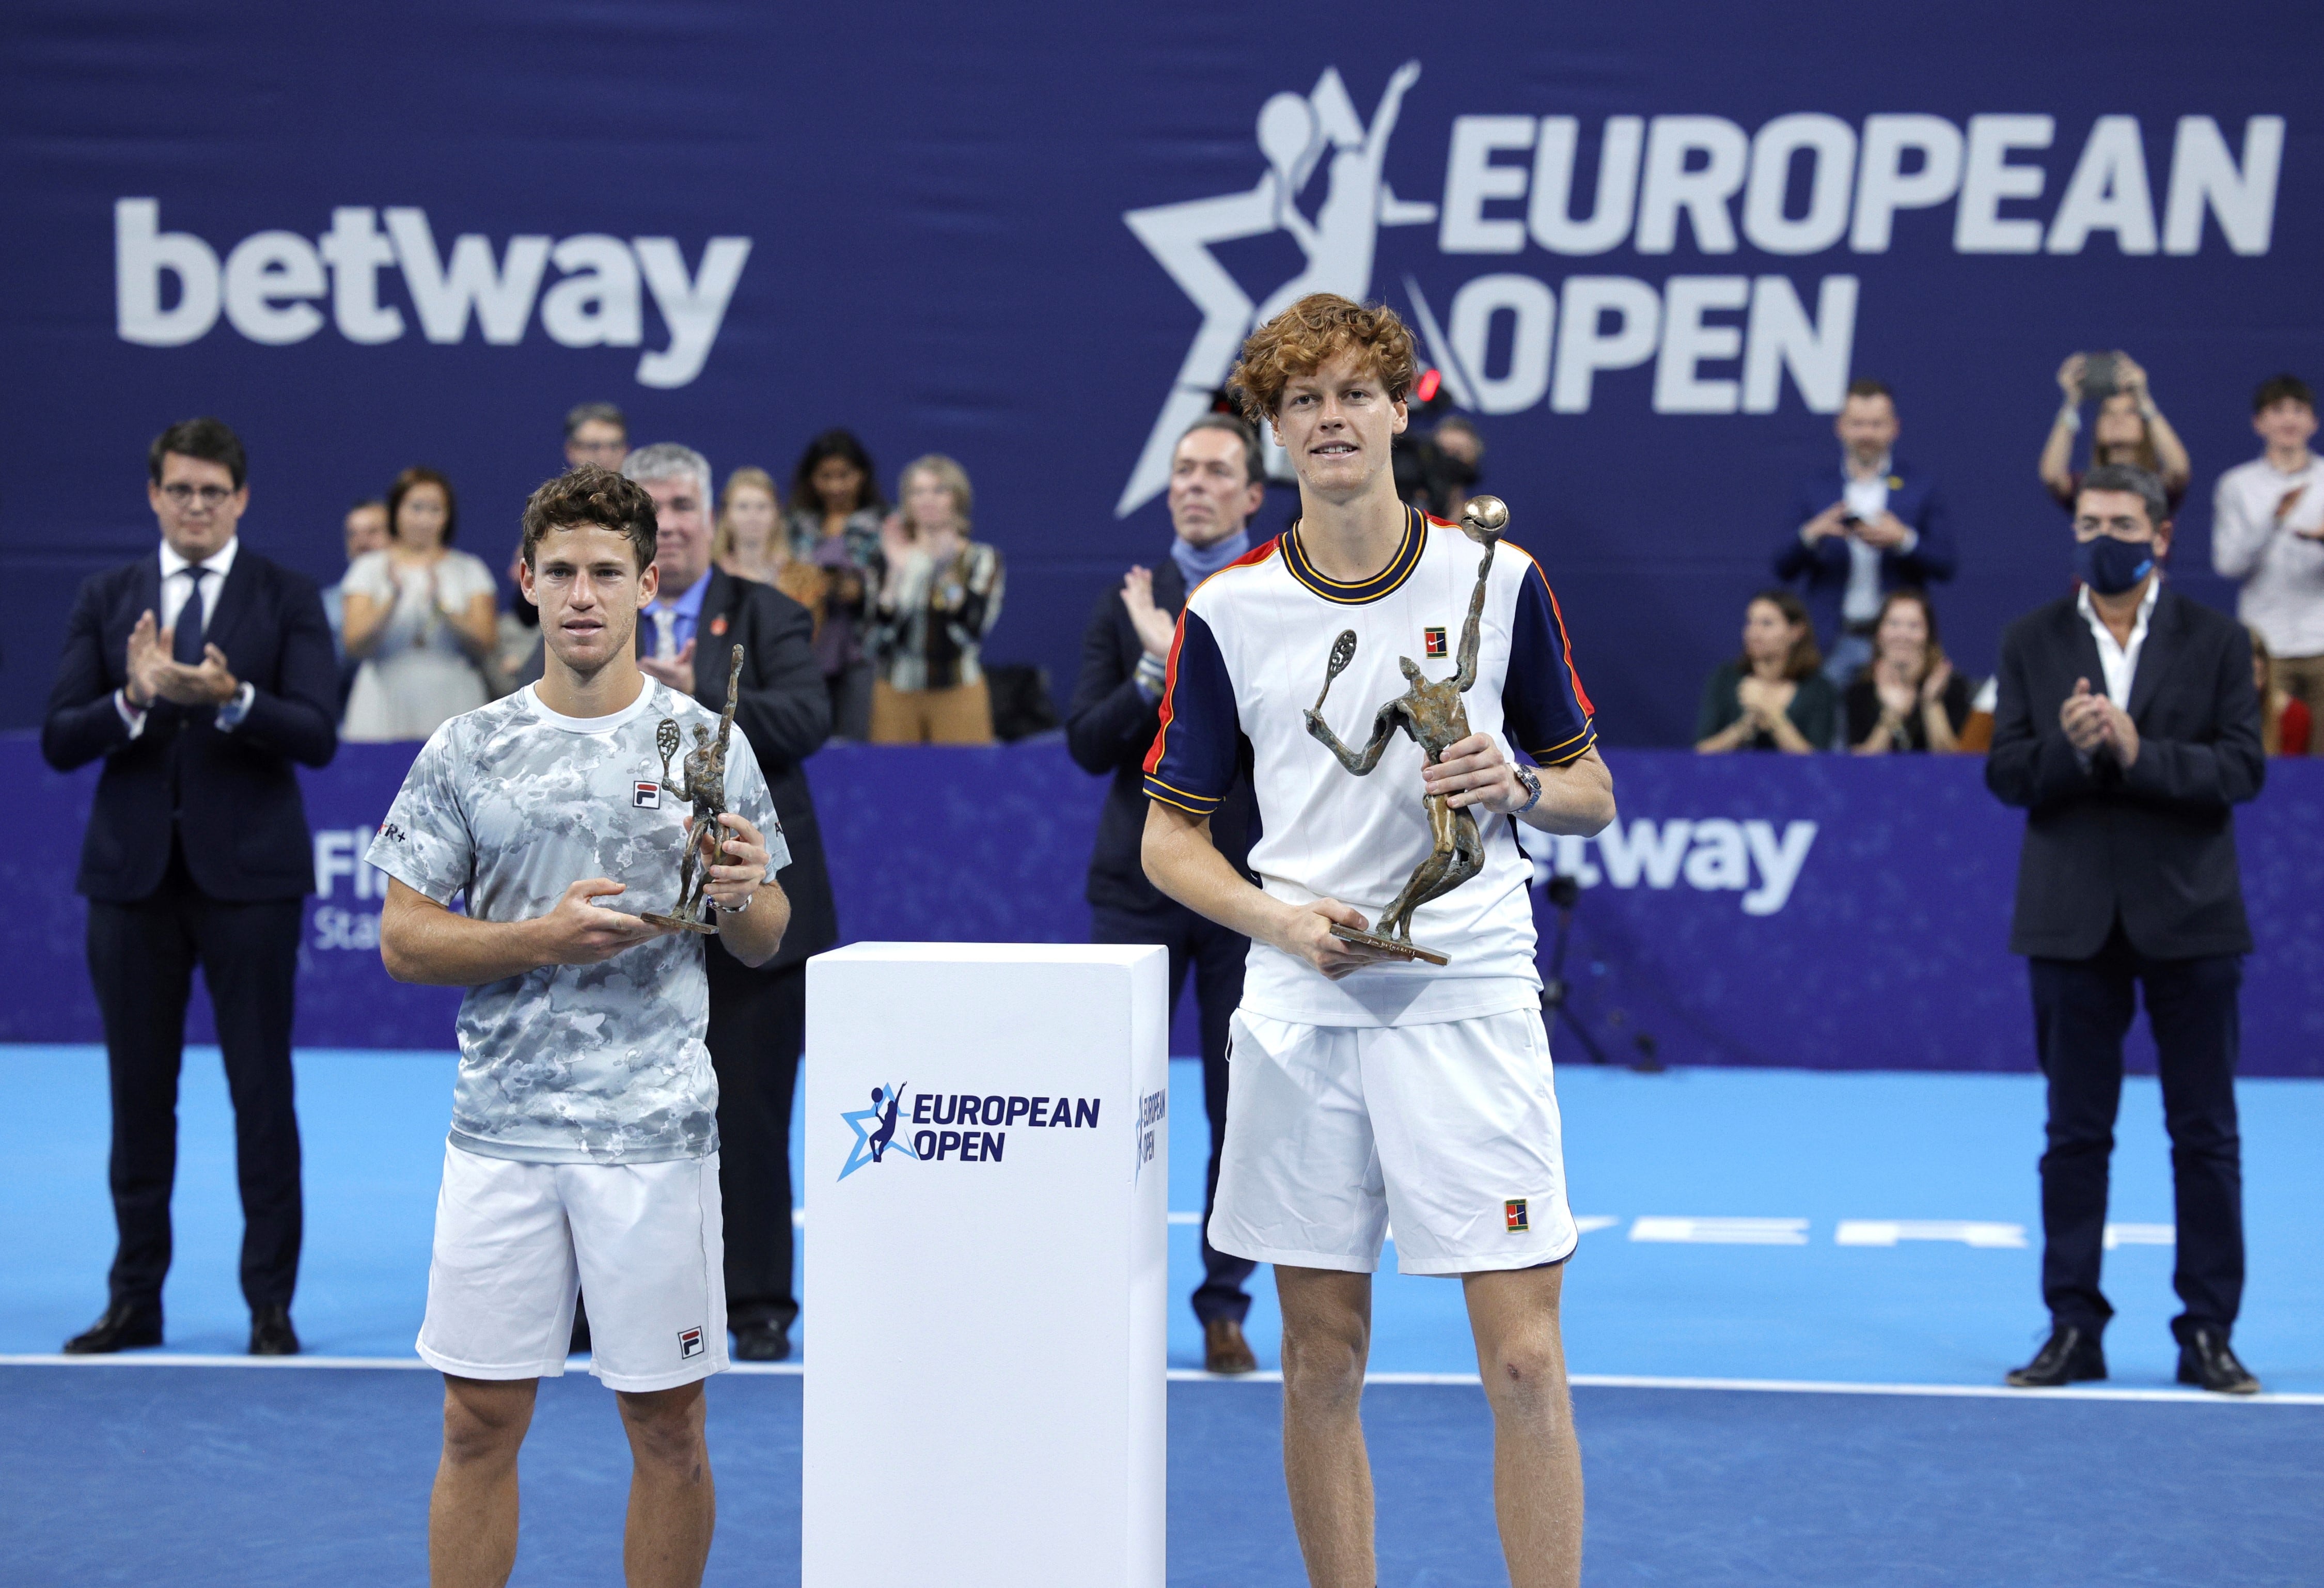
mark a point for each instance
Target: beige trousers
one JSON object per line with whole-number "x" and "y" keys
{"x": 962, "y": 715}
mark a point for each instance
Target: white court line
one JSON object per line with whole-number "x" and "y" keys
{"x": 1196, "y": 1376}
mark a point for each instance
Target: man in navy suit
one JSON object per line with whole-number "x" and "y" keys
{"x": 758, "y": 1015}
{"x": 1216, "y": 483}
{"x": 2127, "y": 730}
{"x": 199, "y": 674}
{"x": 1861, "y": 528}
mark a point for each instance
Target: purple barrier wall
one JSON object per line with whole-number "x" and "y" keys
{"x": 1823, "y": 912}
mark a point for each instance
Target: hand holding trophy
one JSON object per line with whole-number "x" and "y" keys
{"x": 702, "y": 780}
{"x": 1432, "y": 712}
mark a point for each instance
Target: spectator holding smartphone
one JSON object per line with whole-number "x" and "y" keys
{"x": 1775, "y": 696}
{"x": 2127, "y": 428}
{"x": 1909, "y": 699}
{"x": 2268, "y": 531}
{"x": 1870, "y": 525}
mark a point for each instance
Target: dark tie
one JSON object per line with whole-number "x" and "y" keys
{"x": 188, "y": 646}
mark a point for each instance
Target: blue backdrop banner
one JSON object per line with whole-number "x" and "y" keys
{"x": 1646, "y": 245}
{"x": 1825, "y": 912}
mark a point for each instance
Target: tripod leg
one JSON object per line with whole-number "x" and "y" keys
{"x": 1581, "y": 1034}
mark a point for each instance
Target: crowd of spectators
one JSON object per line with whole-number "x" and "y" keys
{"x": 900, "y": 599}
{"x": 1843, "y": 653}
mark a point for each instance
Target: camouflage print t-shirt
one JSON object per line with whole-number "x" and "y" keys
{"x": 510, "y": 804}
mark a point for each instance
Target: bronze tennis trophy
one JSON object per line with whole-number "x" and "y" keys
{"x": 1432, "y": 714}
{"x": 702, "y": 778}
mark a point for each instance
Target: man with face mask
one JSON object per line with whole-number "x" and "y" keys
{"x": 2128, "y": 729}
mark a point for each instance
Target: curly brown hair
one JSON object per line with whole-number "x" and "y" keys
{"x": 1309, "y": 334}
{"x": 591, "y": 496}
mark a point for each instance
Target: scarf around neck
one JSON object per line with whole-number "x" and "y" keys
{"x": 1200, "y": 562}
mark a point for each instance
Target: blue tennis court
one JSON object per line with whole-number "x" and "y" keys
{"x": 1766, "y": 1228}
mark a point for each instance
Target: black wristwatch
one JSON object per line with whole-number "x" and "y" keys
{"x": 1532, "y": 781}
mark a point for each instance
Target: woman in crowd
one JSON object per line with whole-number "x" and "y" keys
{"x": 1909, "y": 699}
{"x": 1775, "y": 696}
{"x": 419, "y": 617}
{"x": 2127, "y": 429}
{"x": 751, "y": 541}
{"x": 834, "y": 526}
{"x": 939, "y": 594}
{"x": 2284, "y": 723}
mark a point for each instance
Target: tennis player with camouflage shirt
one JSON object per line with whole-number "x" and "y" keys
{"x": 583, "y": 1146}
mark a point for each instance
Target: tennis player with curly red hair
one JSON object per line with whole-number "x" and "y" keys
{"x": 1365, "y": 1087}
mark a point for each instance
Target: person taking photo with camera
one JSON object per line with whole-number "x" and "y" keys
{"x": 2127, "y": 428}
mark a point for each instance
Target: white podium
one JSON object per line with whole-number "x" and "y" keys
{"x": 987, "y": 1275}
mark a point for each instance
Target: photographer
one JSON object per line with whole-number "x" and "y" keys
{"x": 1870, "y": 525}
{"x": 1435, "y": 473}
{"x": 2127, "y": 428}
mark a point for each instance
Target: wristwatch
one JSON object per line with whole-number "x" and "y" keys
{"x": 1532, "y": 781}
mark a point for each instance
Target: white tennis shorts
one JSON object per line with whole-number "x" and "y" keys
{"x": 1449, "y": 1131}
{"x": 513, "y": 1241}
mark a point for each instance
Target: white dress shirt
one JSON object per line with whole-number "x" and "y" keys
{"x": 2118, "y": 660}
{"x": 1867, "y": 499}
{"x": 177, "y": 588}
{"x": 2280, "y": 564}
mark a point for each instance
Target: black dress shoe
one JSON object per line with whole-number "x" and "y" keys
{"x": 271, "y": 1334}
{"x": 125, "y": 1326}
{"x": 2070, "y": 1356}
{"x": 761, "y": 1340}
{"x": 2205, "y": 1362}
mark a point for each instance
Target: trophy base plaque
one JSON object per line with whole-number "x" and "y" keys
{"x": 655, "y": 918}
{"x": 1395, "y": 945}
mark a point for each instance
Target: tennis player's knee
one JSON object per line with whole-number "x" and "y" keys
{"x": 1324, "y": 1359}
{"x": 1526, "y": 1373}
{"x": 485, "y": 1420}
{"x": 665, "y": 1425}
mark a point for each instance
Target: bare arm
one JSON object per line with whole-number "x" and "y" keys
{"x": 1182, "y": 860}
{"x": 1729, "y": 737}
{"x": 361, "y": 622}
{"x": 1576, "y": 799}
{"x": 2170, "y": 452}
{"x": 2171, "y": 462}
{"x": 753, "y": 933}
{"x": 422, "y": 941}
{"x": 478, "y": 627}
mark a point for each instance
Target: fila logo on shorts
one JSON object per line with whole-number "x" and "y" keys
{"x": 689, "y": 1343}
{"x": 646, "y": 794}
{"x": 1515, "y": 1208}
{"x": 1434, "y": 640}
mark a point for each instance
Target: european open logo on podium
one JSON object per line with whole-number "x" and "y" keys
{"x": 952, "y": 1113}
{"x": 986, "y": 1265}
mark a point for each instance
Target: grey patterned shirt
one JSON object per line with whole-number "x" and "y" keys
{"x": 512, "y": 804}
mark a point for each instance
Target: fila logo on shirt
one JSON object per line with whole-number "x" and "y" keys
{"x": 646, "y": 794}
{"x": 1433, "y": 639}
{"x": 689, "y": 1343}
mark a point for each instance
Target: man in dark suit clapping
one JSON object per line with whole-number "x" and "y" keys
{"x": 1216, "y": 484}
{"x": 2128, "y": 728}
{"x": 758, "y": 1017}
{"x": 200, "y": 674}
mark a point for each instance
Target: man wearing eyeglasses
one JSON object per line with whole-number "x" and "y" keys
{"x": 199, "y": 673}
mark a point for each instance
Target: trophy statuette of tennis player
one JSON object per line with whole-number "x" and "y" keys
{"x": 1432, "y": 712}
{"x": 702, "y": 778}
